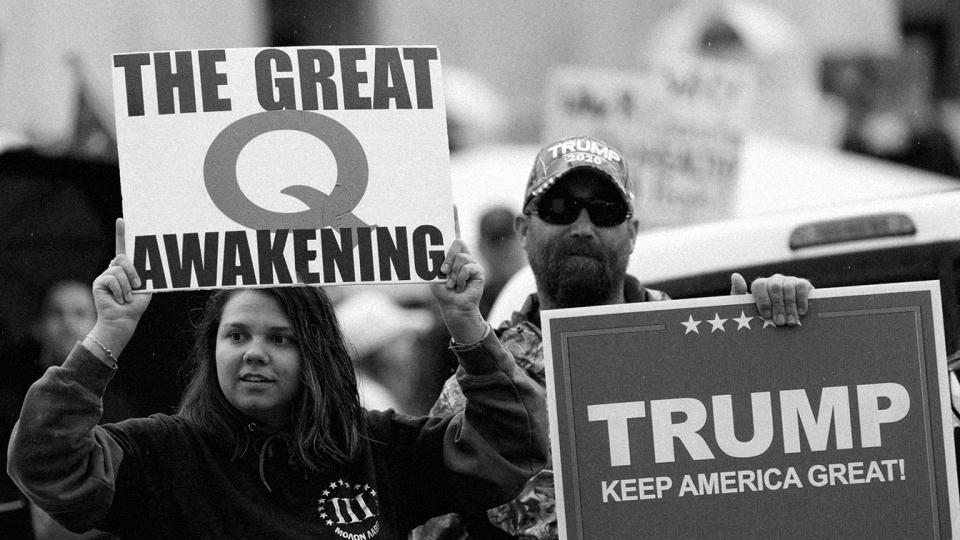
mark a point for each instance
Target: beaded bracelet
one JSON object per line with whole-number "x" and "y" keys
{"x": 106, "y": 351}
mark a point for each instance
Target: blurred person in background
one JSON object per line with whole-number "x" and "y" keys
{"x": 66, "y": 314}
{"x": 578, "y": 229}
{"x": 499, "y": 250}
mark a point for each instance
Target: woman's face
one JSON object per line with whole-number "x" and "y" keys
{"x": 258, "y": 357}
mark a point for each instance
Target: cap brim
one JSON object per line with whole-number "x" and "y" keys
{"x": 555, "y": 173}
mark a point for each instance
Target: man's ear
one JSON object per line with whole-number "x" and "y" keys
{"x": 521, "y": 224}
{"x": 634, "y": 225}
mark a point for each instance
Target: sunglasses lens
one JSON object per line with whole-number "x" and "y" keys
{"x": 558, "y": 210}
{"x": 606, "y": 213}
{"x": 565, "y": 210}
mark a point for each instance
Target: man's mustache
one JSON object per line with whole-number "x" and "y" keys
{"x": 569, "y": 247}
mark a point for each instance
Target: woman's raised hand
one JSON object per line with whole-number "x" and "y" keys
{"x": 118, "y": 308}
{"x": 459, "y": 295}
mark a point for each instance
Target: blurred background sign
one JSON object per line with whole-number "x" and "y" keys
{"x": 679, "y": 124}
{"x": 513, "y": 45}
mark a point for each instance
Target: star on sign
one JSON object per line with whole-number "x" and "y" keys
{"x": 743, "y": 321}
{"x": 333, "y": 485}
{"x": 717, "y": 323}
{"x": 326, "y": 492}
{"x": 691, "y": 326}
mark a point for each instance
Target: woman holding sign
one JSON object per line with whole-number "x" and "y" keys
{"x": 270, "y": 440}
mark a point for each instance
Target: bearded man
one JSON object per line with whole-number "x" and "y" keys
{"x": 578, "y": 229}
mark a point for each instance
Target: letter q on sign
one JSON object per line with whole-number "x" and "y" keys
{"x": 333, "y": 210}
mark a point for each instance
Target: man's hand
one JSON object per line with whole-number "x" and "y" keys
{"x": 781, "y": 299}
{"x": 459, "y": 295}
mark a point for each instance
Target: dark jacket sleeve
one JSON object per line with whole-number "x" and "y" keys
{"x": 501, "y": 436}
{"x": 58, "y": 456}
{"x": 477, "y": 458}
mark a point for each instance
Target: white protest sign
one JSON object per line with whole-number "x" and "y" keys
{"x": 277, "y": 166}
{"x": 680, "y": 126}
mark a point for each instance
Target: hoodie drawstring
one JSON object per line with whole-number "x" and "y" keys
{"x": 265, "y": 451}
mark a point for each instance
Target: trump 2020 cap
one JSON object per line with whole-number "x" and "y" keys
{"x": 561, "y": 157}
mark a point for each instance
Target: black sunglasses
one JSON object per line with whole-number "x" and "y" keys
{"x": 565, "y": 210}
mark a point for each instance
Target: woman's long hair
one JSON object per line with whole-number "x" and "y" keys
{"x": 327, "y": 419}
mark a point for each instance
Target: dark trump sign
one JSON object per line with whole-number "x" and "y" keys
{"x": 672, "y": 419}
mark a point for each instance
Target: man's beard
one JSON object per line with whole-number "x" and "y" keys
{"x": 572, "y": 272}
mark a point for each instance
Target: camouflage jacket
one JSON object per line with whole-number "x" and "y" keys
{"x": 532, "y": 514}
